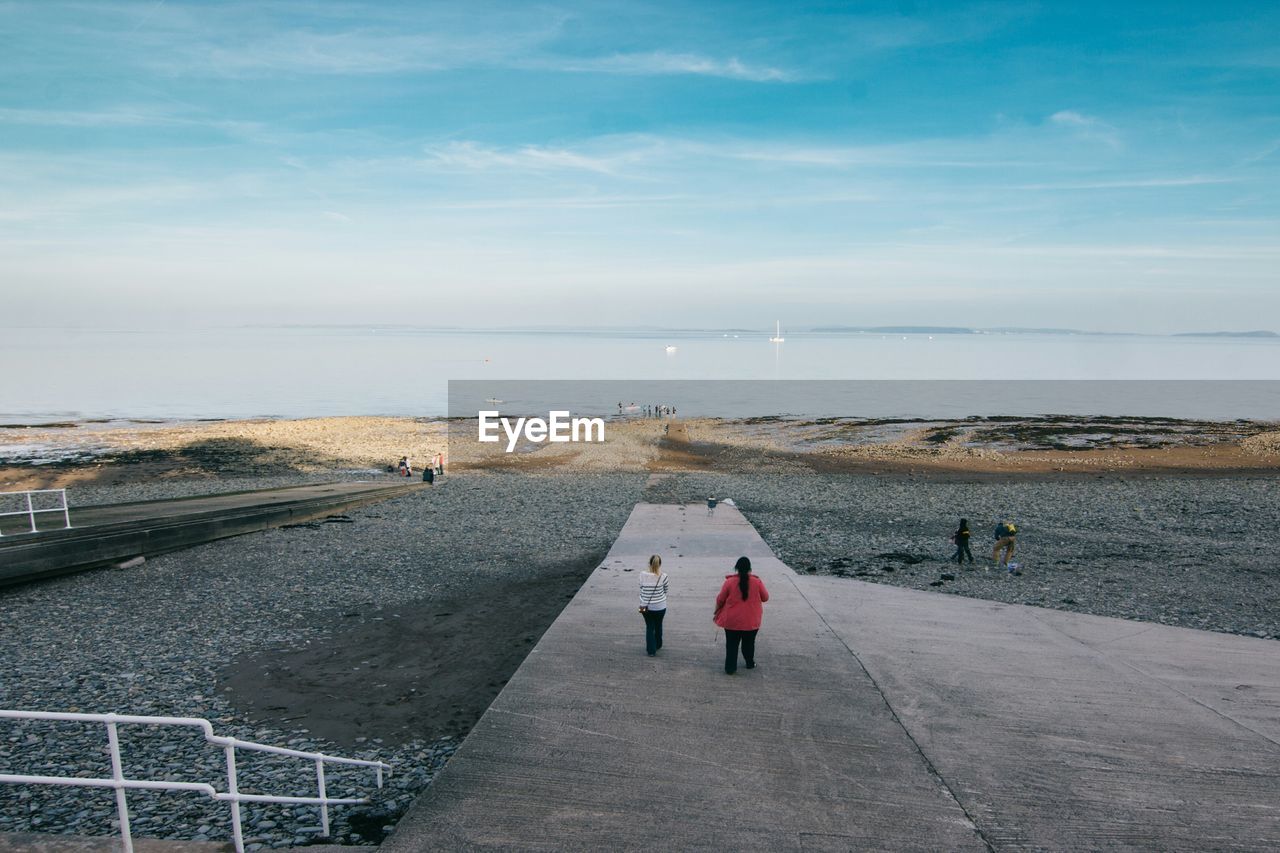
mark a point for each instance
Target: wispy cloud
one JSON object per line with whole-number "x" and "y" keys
{"x": 577, "y": 202}
{"x": 354, "y": 53}
{"x": 341, "y": 40}
{"x": 341, "y": 53}
{"x": 1130, "y": 183}
{"x": 123, "y": 116}
{"x": 474, "y": 156}
{"x": 932, "y": 154}
{"x": 1263, "y": 154}
{"x": 133, "y": 116}
{"x": 1087, "y": 127}
{"x": 664, "y": 63}
{"x": 1071, "y": 118}
{"x": 526, "y": 46}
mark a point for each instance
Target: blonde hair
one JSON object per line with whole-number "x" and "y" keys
{"x": 655, "y": 564}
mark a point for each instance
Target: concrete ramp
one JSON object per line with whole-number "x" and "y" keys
{"x": 593, "y": 745}
{"x": 1073, "y": 732}
{"x": 114, "y": 532}
{"x": 877, "y": 718}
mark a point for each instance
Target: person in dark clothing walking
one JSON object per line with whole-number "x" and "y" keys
{"x": 739, "y": 611}
{"x": 961, "y": 540}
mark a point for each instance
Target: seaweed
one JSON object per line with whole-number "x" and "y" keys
{"x": 941, "y": 435}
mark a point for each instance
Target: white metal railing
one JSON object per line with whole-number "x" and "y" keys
{"x": 232, "y": 795}
{"x": 31, "y": 512}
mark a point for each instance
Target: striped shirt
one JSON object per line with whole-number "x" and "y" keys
{"x": 653, "y": 591}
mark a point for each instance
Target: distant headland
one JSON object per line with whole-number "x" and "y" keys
{"x": 1016, "y": 330}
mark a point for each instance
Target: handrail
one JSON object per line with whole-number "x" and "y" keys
{"x": 229, "y": 744}
{"x": 31, "y": 512}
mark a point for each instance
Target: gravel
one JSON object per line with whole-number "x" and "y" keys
{"x": 151, "y": 640}
{"x": 1194, "y": 552}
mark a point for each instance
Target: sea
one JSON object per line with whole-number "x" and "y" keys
{"x": 55, "y": 375}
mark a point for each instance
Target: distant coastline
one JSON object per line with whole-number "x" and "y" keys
{"x": 1257, "y": 334}
{"x": 1017, "y": 330}
{"x": 641, "y": 330}
{"x": 646, "y": 330}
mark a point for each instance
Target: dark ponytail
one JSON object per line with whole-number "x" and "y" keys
{"x": 743, "y": 568}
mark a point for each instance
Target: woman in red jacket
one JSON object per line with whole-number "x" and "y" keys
{"x": 739, "y": 610}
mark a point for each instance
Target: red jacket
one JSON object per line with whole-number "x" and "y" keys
{"x": 735, "y": 614}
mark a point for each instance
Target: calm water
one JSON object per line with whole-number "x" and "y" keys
{"x": 294, "y": 372}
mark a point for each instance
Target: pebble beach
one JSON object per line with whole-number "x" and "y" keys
{"x": 300, "y": 636}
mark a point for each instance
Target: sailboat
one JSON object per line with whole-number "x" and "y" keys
{"x": 777, "y": 335}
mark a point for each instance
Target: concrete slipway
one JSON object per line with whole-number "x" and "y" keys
{"x": 115, "y": 532}
{"x": 877, "y": 718}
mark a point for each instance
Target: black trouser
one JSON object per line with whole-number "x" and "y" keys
{"x": 653, "y": 630}
{"x": 731, "y": 641}
{"x": 962, "y": 551}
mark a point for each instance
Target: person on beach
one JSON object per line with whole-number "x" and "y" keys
{"x": 739, "y": 611}
{"x": 653, "y": 603}
{"x": 439, "y": 463}
{"x": 1006, "y": 541}
{"x": 711, "y": 505}
{"x": 405, "y": 470}
{"x": 961, "y": 540}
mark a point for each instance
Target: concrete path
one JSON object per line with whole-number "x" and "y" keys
{"x": 877, "y": 718}
{"x": 101, "y": 535}
{"x": 1066, "y": 731}
{"x": 93, "y": 516}
{"x": 592, "y": 745}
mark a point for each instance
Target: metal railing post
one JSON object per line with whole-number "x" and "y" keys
{"x": 237, "y": 833}
{"x": 324, "y": 806}
{"x": 31, "y": 512}
{"x": 117, "y": 773}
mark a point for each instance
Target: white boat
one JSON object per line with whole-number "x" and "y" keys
{"x": 492, "y": 400}
{"x": 777, "y": 335}
{"x": 671, "y": 349}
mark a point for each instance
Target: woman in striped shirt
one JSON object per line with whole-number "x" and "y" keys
{"x": 653, "y": 603}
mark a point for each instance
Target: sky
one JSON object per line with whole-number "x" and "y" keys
{"x": 1108, "y": 166}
